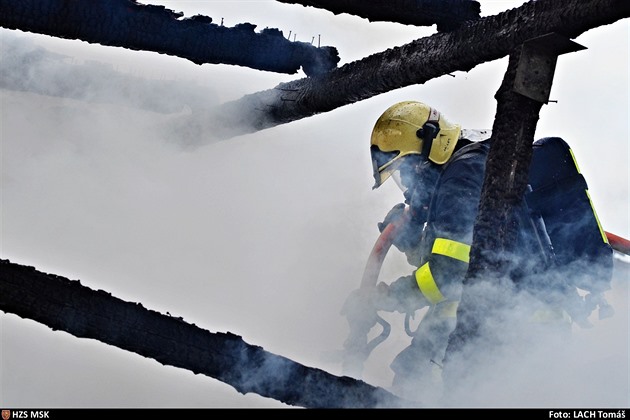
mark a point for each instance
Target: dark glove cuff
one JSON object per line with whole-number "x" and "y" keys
{"x": 394, "y": 214}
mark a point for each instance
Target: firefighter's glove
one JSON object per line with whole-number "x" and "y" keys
{"x": 359, "y": 308}
{"x": 406, "y": 237}
{"x": 402, "y": 295}
{"x": 395, "y": 214}
{"x": 593, "y": 300}
{"x": 579, "y": 308}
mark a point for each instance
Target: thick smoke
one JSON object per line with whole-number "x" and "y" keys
{"x": 27, "y": 67}
{"x": 263, "y": 235}
{"x": 521, "y": 360}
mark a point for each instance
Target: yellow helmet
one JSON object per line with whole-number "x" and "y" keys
{"x": 406, "y": 128}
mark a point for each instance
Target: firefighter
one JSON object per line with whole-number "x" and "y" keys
{"x": 440, "y": 168}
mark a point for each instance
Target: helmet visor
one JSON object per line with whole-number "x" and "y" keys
{"x": 383, "y": 164}
{"x": 398, "y": 179}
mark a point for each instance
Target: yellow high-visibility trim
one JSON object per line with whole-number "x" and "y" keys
{"x": 575, "y": 161}
{"x": 599, "y": 225}
{"x": 458, "y": 250}
{"x": 427, "y": 285}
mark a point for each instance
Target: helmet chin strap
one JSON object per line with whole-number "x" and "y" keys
{"x": 428, "y": 132}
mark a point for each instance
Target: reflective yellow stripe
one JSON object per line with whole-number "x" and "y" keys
{"x": 575, "y": 161}
{"x": 452, "y": 249}
{"x": 599, "y": 225}
{"x": 458, "y": 250}
{"x": 427, "y": 285}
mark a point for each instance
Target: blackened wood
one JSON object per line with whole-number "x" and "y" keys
{"x": 125, "y": 23}
{"x": 445, "y": 14}
{"x": 66, "y": 305}
{"x": 485, "y": 40}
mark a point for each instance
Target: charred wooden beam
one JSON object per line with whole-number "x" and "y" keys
{"x": 127, "y": 24}
{"x": 485, "y": 40}
{"x": 487, "y": 287}
{"x": 446, "y": 14}
{"x": 66, "y": 305}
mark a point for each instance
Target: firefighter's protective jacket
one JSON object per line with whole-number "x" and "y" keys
{"x": 443, "y": 251}
{"x": 446, "y": 239}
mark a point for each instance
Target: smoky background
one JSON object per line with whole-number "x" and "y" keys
{"x": 263, "y": 235}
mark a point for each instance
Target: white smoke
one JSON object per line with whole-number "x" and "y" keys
{"x": 263, "y": 235}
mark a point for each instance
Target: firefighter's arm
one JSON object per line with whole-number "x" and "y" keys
{"x": 597, "y": 300}
{"x": 402, "y": 295}
{"x": 580, "y": 308}
{"x": 396, "y": 213}
{"x": 361, "y": 311}
{"x": 408, "y": 235}
{"x": 445, "y": 264}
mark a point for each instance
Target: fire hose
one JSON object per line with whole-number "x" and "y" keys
{"x": 357, "y": 348}
{"x": 618, "y": 243}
